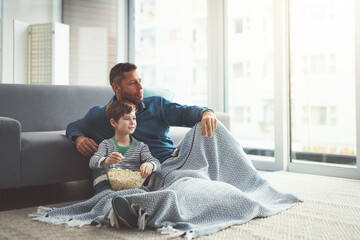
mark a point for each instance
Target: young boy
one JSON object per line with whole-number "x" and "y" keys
{"x": 122, "y": 149}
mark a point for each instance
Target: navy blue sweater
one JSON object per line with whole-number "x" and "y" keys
{"x": 154, "y": 117}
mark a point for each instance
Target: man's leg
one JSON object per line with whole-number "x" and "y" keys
{"x": 125, "y": 213}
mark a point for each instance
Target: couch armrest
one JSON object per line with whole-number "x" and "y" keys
{"x": 224, "y": 118}
{"x": 10, "y": 145}
{"x": 178, "y": 133}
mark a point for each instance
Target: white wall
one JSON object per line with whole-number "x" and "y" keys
{"x": 29, "y": 11}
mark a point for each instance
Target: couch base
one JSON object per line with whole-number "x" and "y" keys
{"x": 49, "y": 157}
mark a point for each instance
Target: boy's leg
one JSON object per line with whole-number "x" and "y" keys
{"x": 101, "y": 186}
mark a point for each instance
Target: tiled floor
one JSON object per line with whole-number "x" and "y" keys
{"x": 46, "y": 194}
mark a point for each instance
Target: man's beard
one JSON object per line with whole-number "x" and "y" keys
{"x": 133, "y": 99}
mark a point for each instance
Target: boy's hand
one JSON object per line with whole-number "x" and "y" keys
{"x": 146, "y": 169}
{"x": 114, "y": 158}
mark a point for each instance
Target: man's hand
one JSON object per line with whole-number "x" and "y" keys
{"x": 146, "y": 169}
{"x": 208, "y": 124}
{"x": 86, "y": 146}
{"x": 114, "y": 158}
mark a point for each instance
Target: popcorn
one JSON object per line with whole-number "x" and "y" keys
{"x": 121, "y": 179}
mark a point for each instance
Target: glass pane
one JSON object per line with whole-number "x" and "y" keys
{"x": 92, "y": 40}
{"x": 171, "y": 47}
{"x": 250, "y": 75}
{"x": 322, "y": 47}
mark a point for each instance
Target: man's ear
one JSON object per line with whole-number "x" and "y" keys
{"x": 115, "y": 87}
{"x": 117, "y": 90}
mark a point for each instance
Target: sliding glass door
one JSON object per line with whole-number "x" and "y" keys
{"x": 322, "y": 80}
{"x": 250, "y": 75}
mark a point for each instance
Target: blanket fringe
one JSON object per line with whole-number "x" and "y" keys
{"x": 41, "y": 211}
{"x": 172, "y": 232}
{"x": 113, "y": 219}
{"x": 142, "y": 220}
{"x": 189, "y": 235}
{"x": 76, "y": 223}
{"x": 42, "y": 216}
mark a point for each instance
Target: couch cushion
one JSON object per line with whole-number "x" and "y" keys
{"x": 49, "y": 157}
{"x": 49, "y": 107}
{"x": 177, "y": 134}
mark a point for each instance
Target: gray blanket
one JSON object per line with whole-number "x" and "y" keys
{"x": 210, "y": 186}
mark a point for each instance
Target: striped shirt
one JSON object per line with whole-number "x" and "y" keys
{"x": 136, "y": 155}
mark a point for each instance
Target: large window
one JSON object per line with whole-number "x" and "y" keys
{"x": 171, "y": 47}
{"x": 250, "y": 65}
{"x": 323, "y": 112}
{"x": 287, "y": 72}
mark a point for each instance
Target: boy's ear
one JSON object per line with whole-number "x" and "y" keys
{"x": 112, "y": 122}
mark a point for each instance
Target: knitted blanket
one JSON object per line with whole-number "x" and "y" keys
{"x": 210, "y": 186}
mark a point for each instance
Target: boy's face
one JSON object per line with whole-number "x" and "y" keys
{"x": 126, "y": 124}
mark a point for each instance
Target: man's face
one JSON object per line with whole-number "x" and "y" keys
{"x": 130, "y": 88}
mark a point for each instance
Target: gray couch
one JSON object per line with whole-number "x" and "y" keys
{"x": 33, "y": 146}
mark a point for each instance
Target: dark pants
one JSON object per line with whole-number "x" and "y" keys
{"x": 101, "y": 186}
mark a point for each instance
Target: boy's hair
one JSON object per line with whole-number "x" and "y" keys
{"x": 118, "y": 108}
{"x": 117, "y": 72}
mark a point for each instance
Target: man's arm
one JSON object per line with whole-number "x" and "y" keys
{"x": 182, "y": 115}
{"x": 85, "y": 145}
{"x": 75, "y": 132}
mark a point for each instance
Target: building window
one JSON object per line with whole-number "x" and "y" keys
{"x": 171, "y": 39}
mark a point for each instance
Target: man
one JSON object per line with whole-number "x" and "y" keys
{"x": 154, "y": 116}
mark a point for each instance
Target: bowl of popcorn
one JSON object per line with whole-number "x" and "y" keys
{"x": 121, "y": 179}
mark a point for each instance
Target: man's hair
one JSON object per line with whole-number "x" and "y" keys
{"x": 117, "y": 72}
{"x": 118, "y": 109}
